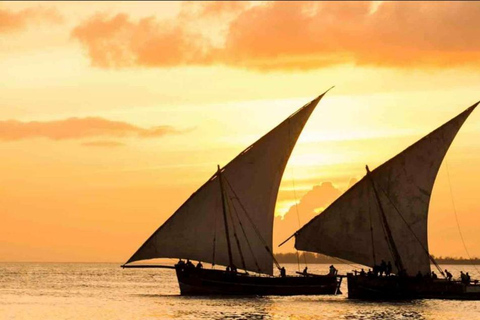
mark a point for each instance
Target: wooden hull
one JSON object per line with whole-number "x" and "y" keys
{"x": 404, "y": 288}
{"x": 217, "y": 282}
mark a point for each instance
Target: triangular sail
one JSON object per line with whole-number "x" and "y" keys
{"x": 250, "y": 181}
{"x": 352, "y": 227}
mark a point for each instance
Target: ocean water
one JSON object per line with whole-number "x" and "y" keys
{"x": 105, "y": 291}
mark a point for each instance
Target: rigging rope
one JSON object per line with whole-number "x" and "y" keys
{"x": 259, "y": 235}
{"x": 245, "y": 235}
{"x": 243, "y": 232}
{"x": 229, "y": 204}
{"x": 411, "y": 230}
{"x": 298, "y": 219}
{"x": 295, "y": 196}
{"x": 371, "y": 231}
{"x": 348, "y": 262}
{"x": 390, "y": 240}
{"x": 456, "y": 217}
{"x": 214, "y": 237}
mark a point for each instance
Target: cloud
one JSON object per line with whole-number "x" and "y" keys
{"x": 314, "y": 201}
{"x": 77, "y": 128}
{"x": 16, "y": 21}
{"x": 116, "y": 42}
{"x": 103, "y": 144}
{"x": 202, "y": 9}
{"x": 272, "y": 36}
{"x": 319, "y": 197}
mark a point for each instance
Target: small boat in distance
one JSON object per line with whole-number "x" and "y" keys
{"x": 229, "y": 221}
{"x": 383, "y": 217}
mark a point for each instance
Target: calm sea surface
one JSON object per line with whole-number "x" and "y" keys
{"x": 105, "y": 291}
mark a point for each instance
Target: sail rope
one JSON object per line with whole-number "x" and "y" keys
{"x": 389, "y": 244}
{"x": 432, "y": 259}
{"x": 230, "y": 205}
{"x": 371, "y": 230}
{"x": 214, "y": 237}
{"x": 296, "y": 202}
{"x": 456, "y": 217}
{"x": 225, "y": 218}
{"x": 245, "y": 235}
{"x": 298, "y": 220}
{"x": 386, "y": 227}
{"x": 348, "y": 262}
{"x": 259, "y": 235}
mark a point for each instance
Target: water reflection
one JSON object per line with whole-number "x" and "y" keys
{"x": 254, "y": 308}
{"x": 104, "y": 291}
{"x": 364, "y": 310}
{"x": 384, "y": 314}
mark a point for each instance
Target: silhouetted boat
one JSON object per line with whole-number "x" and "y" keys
{"x": 229, "y": 222}
{"x": 384, "y": 217}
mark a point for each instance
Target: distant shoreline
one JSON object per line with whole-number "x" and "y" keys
{"x": 320, "y": 258}
{"x": 311, "y": 258}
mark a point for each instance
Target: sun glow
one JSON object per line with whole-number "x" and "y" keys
{"x": 163, "y": 121}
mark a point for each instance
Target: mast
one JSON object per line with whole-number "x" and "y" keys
{"x": 391, "y": 241}
{"x": 224, "y": 209}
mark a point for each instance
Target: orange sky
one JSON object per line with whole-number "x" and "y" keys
{"x": 112, "y": 114}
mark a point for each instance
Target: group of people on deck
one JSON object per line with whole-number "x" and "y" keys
{"x": 378, "y": 270}
{"x": 383, "y": 268}
{"x": 231, "y": 269}
{"x": 188, "y": 265}
{"x": 332, "y": 271}
{"x": 430, "y": 275}
{"x": 464, "y": 277}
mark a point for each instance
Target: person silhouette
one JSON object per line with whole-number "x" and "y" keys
{"x": 449, "y": 275}
{"x": 389, "y": 268}
{"x": 333, "y": 271}
{"x": 383, "y": 268}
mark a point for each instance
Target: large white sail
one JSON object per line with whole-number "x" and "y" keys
{"x": 250, "y": 183}
{"x": 352, "y": 228}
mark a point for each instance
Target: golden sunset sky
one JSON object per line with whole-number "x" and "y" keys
{"x": 112, "y": 114}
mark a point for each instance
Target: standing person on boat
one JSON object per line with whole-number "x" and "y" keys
{"x": 333, "y": 271}
{"x": 283, "y": 272}
{"x": 181, "y": 263}
{"x": 389, "y": 269}
{"x": 305, "y": 271}
{"x": 449, "y": 275}
{"x": 383, "y": 268}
